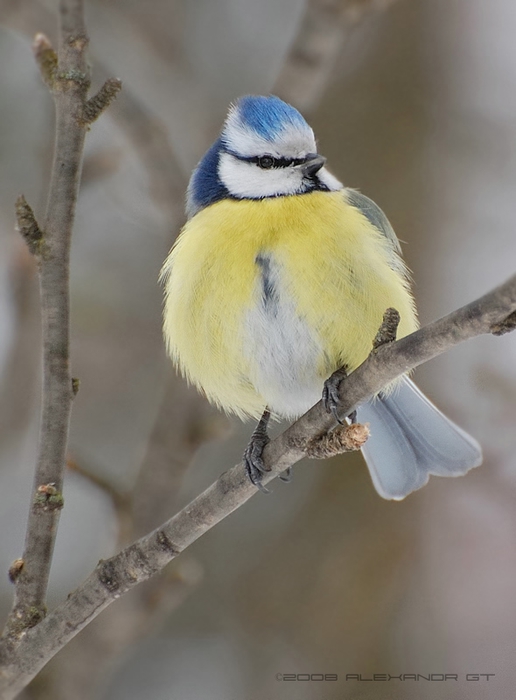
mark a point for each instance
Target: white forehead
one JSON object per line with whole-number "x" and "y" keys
{"x": 293, "y": 140}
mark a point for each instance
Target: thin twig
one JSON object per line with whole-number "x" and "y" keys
{"x": 388, "y": 329}
{"x": 148, "y": 555}
{"x": 94, "y": 107}
{"x": 28, "y": 226}
{"x": 149, "y": 138}
{"x": 120, "y": 500}
{"x": 184, "y": 421}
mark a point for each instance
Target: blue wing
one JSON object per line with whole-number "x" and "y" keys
{"x": 374, "y": 214}
{"x": 410, "y": 438}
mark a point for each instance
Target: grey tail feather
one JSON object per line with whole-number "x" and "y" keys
{"x": 411, "y": 439}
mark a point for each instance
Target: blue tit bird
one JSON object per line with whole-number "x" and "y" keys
{"x": 281, "y": 276}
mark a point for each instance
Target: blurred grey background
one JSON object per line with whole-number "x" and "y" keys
{"x": 414, "y": 103}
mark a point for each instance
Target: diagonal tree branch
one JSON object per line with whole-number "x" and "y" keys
{"x": 67, "y": 75}
{"x": 148, "y": 555}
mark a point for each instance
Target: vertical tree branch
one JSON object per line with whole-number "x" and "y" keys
{"x": 69, "y": 87}
{"x": 68, "y": 78}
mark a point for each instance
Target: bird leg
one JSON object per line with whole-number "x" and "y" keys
{"x": 386, "y": 334}
{"x": 253, "y": 460}
{"x": 330, "y": 394}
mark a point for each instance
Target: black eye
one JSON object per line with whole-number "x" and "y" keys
{"x": 266, "y": 162}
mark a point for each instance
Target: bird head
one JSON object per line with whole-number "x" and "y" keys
{"x": 265, "y": 149}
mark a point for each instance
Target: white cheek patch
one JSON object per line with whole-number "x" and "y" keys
{"x": 248, "y": 180}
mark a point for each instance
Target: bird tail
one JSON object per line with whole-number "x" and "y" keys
{"x": 411, "y": 439}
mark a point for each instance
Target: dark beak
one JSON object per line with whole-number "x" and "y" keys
{"x": 314, "y": 162}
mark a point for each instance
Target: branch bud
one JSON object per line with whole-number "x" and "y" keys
{"x": 27, "y": 225}
{"x": 46, "y": 58}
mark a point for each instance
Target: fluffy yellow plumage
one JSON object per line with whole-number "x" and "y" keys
{"x": 333, "y": 272}
{"x": 280, "y": 277}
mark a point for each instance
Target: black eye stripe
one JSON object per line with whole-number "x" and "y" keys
{"x": 278, "y": 162}
{"x": 274, "y": 162}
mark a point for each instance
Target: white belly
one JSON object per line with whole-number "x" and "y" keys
{"x": 283, "y": 352}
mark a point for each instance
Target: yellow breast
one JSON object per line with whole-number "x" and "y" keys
{"x": 265, "y": 299}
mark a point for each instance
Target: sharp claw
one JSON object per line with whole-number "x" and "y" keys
{"x": 330, "y": 394}
{"x": 253, "y": 461}
{"x": 286, "y": 476}
{"x": 254, "y": 466}
{"x": 254, "y": 472}
{"x": 336, "y": 415}
{"x": 259, "y": 485}
{"x": 255, "y": 458}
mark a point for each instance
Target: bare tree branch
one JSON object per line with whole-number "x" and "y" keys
{"x": 185, "y": 420}
{"x": 67, "y": 74}
{"x": 151, "y": 142}
{"x": 148, "y": 555}
{"x": 323, "y": 31}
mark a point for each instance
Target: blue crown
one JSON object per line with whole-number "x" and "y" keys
{"x": 268, "y": 116}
